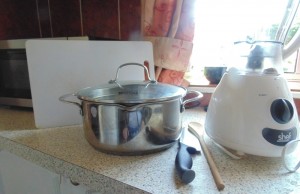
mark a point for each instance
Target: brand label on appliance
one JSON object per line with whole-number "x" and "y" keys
{"x": 279, "y": 137}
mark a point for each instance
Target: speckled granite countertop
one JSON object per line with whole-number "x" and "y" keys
{"x": 65, "y": 151}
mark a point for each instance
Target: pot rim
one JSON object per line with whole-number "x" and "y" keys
{"x": 131, "y": 92}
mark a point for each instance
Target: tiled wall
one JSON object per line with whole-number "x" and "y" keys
{"x": 113, "y": 19}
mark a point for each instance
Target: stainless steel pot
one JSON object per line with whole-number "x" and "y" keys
{"x": 130, "y": 118}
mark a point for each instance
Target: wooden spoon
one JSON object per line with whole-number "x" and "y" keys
{"x": 198, "y": 131}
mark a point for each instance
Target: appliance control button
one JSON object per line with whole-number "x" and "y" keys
{"x": 282, "y": 111}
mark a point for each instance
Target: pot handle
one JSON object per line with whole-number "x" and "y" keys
{"x": 137, "y": 64}
{"x": 198, "y": 96}
{"x": 63, "y": 99}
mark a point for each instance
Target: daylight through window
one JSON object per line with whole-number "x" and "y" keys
{"x": 219, "y": 23}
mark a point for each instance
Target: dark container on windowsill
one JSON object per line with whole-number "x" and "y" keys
{"x": 214, "y": 74}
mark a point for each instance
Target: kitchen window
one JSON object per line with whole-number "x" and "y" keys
{"x": 219, "y": 23}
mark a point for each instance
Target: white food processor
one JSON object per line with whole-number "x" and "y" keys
{"x": 252, "y": 110}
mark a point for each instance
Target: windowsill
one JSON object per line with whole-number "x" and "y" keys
{"x": 200, "y": 83}
{"x": 293, "y": 81}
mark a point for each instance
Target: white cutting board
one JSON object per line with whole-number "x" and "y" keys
{"x": 58, "y": 67}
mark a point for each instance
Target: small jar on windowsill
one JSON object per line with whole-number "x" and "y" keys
{"x": 214, "y": 74}
{"x": 207, "y": 79}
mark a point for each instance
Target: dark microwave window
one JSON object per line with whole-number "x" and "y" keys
{"x": 14, "y": 76}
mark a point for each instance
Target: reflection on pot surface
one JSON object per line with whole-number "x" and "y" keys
{"x": 112, "y": 125}
{"x": 164, "y": 125}
{"x": 157, "y": 126}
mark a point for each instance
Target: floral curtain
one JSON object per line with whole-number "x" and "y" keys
{"x": 169, "y": 25}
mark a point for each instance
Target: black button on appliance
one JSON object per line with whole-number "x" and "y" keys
{"x": 282, "y": 111}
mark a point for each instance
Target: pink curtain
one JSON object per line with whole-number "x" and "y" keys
{"x": 169, "y": 25}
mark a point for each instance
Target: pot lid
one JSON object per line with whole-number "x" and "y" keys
{"x": 131, "y": 92}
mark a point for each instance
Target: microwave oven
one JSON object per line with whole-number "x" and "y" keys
{"x": 14, "y": 75}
